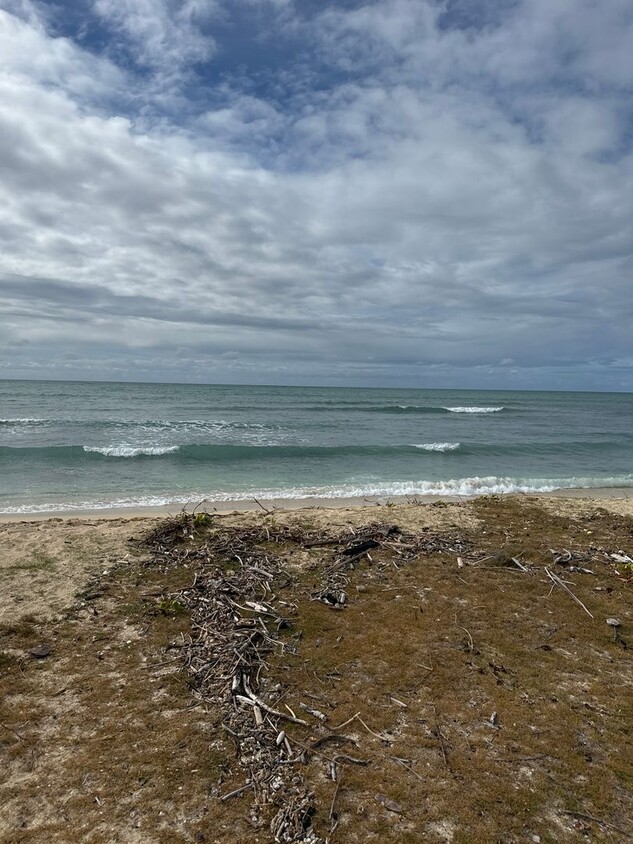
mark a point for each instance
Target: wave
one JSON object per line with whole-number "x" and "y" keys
{"x": 276, "y": 450}
{"x": 474, "y": 409}
{"x": 423, "y": 408}
{"x": 23, "y": 420}
{"x": 442, "y": 447}
{"x": 459, "y": 487}
{"x": 131, "y": 450}
{"x": 160, "y": 424}
{"x": 215, "y": 453}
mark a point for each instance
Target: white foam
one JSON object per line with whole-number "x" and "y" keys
{"x": 131, "y": 450}
{"x": 26, "y": 420}
{"x": 464, "y": 487}
{"x": 474, "y": 409}
{"x": 437, "y": 446}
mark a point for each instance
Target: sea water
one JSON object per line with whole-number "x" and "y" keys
{"x": 80, "y": 445}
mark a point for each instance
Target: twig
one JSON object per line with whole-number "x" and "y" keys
{"x": 408, "y": 767}
{"x": 255, "y": 701}
{"x": 471, "y": 644}
{"x": 259, "y": 504}
{"x": 482, "y": 560}
{"x": 357, "y": 717}
{"x": 12, "y": 731}
{"x": 437, "y": 732}
{"x": 236, "y": 792}
{"x": 345, "y": 723}
{"x": 556, "y": 579}
{"x": 519, "y": 564}
{"x": 333, "y": 816}
{"x": 587, "y": 817}
{"x": 343, "y": 757}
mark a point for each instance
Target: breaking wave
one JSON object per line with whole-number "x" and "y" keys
{"x": 274, "y": 448}
{"x": 462, "y": 487}
{"x": 474, "y": 409}
{"x": 131, "y": 450}
{"x": 442, "y": 447}
{"x": 23, "y": 420}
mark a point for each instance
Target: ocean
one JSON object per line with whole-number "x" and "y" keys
{"x": 68, "y": 446}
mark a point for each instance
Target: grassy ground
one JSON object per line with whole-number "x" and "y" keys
{"x": 490, "y": 706}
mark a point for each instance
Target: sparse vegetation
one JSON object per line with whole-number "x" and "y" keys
{"x": 488, "y": 705}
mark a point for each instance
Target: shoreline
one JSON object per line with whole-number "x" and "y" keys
{"x": 292, "y": 504}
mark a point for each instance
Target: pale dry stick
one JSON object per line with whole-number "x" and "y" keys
{"x": 357, "y": 717}
{"x": 556, "y": 579}
{"x": 255, "y": 701}
{"x": 519, "y": 565}
{"x": 471, "y": 644}
{"x": 259, "y": 608}
{"x": 482, "y": 560}
{"x": 236, "y": 792}
{"x": 408, "y": 767}
{"x": 333, "y": 817}
{"x": 345, "y": 723}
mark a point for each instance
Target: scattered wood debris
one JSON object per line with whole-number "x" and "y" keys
{"x": 243, "y": 603}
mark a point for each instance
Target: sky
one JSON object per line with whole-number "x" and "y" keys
{"x": 432, "y": 193}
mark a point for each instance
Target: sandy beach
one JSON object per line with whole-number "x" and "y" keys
{"x": 502, "y": 708}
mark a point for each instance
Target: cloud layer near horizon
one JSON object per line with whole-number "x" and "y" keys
{"x": 393, "y": 192}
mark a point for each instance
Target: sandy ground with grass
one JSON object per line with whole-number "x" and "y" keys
{"x": 44, "y": 561}
{"x": 507, "y": 706}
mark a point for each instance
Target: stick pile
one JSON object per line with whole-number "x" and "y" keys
{"x": 238, "y": 622}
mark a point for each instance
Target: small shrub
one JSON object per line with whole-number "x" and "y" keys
{"x": 170, "y": 607}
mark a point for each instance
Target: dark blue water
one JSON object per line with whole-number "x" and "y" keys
{"x": 66, "y": 445}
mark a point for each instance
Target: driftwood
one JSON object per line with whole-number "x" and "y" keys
{"x": 236, "y": 616}
{"x": 556, "y": 580}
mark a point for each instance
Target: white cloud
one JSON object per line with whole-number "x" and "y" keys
{"x": 454, "y": 200}
{"x": 28, "y": 55}
{"x": 164, "y": 34}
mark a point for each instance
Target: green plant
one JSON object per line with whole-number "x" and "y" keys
{"x": 202, "y": 520}
{"x": 170, "y": 607}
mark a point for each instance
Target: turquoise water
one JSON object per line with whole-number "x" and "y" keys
{"x": 80, "y": 445}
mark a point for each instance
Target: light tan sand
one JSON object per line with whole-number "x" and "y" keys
{"x": 43, "y": 563}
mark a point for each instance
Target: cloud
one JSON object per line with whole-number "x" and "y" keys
{"x": 409, "y": 191}
{"x": 163, "y": 34}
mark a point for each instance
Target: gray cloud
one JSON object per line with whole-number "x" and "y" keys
{"x": 455, "y": 197}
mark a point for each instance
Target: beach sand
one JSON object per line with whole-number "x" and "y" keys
{"x": 510, "y": 713}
